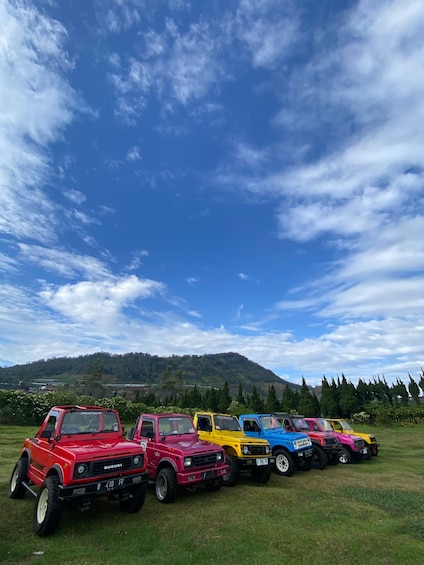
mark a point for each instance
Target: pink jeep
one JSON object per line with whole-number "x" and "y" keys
{"x": 352, "y": 447}
{"x": 176, "y": 455}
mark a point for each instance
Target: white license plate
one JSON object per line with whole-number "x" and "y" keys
{"x": 262, "y": 461}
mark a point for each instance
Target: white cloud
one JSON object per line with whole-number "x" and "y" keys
{"x": 101, "y": 302}
{"x": 267, "y": 31}
{"x": 134, "y": 154}
{"x": 39, "y": 105}
{"x": 136, "y": 261}
{"x": 116, "y": 16}
{"x": 62, "y": 262}
{"x": 75, "y": 196}
{"x": 7, "y": 264}
{"x": 243, "y": 276}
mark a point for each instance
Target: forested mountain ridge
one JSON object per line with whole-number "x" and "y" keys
{"x": 211, "y": 370}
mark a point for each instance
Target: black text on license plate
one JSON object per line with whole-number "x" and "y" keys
{"x": 112, "y": 484}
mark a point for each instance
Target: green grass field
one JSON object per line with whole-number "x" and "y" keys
{"x": 366, "y": 513}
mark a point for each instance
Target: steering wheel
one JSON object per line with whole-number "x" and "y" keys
{"x": 70, "y": 430}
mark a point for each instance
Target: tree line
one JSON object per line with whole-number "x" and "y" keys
{"x": 338, "y": 398}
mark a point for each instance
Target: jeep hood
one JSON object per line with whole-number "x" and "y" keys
{"x": 241, "y": 437}
{"x": 287, "y": 436}
{"x": 189, "y": 445}
{"x": 90, "y": 449}
{"x": 316, "y": 434}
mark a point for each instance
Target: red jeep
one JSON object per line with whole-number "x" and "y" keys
{"x": 79, "y": 453}
{"x": 326, "y": 445}
{"x": 176, "y": 455}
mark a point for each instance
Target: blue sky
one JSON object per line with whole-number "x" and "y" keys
{"x": 202, "y": 177}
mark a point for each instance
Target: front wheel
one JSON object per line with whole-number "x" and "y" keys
{"x": 48, "y": 507}
{"x": 19, "y": 476}
{"x": 345, "y": 456}
{"x": 368, "y": 454}
{"x": 166, "y": 485}
{"x": 284, "y": 464}
{"x": 261, "y": 474}
{"x": 132, "y": 501}
{"x": 230, "y": 479}
{"x": 305, "y": 463}
{"x": 213, "y": 486}
{"x": 320, "y": 458}
{"x": 333, "y": 459}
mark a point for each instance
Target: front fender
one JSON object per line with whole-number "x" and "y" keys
{"x": 166, "y": 462}
{"x": 57, "y": 469}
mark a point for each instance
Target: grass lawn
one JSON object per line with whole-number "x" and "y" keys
{"x": 367, "y": 513}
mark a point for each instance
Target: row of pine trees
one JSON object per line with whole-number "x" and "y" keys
{"x": 338, "y": 398}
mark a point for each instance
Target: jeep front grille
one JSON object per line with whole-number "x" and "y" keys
{"x": 111, "y": 466}
{"x": 257, "y": 449}
{"x": 204, "y": 459}
{"x": 331, "y": 441}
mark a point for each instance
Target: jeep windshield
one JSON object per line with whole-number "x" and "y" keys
{"x": 87, "y": 422}
{"x": 270, "y": 422}
{"x": 300, "y": 424}
{"x": 175, "y": 425}
{"x": 227, "y": 423}
{"x": 346, "y": 426}
{"x": 325, "y": 425}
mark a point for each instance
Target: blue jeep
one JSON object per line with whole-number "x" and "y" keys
{"x": 291, "y": 449}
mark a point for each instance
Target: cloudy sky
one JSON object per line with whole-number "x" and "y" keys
{"x": 185, "y": 177}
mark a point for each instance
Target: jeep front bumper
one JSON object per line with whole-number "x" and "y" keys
{"x": 304, "y": 453}
{"x": 104, "y": 486}
{"x": 250, "y": 462}
{"x": 192, "y": 476}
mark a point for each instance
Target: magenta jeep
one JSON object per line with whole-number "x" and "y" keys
{"x": 352, "y": 447}
{"x": 176, "y": 455}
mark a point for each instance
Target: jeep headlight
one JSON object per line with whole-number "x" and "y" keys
{"x": 267, "y": 449}
{"x": 219, "y": 456}
{"x": 81, "y": 470}
{"x": 138, "y": 461}
{"x": 188, "y": 461}
{"x": 245, "y": 449}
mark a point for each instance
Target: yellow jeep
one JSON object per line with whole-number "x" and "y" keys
{"x": 242, "y": 452}
{"x": 342, "y": 426}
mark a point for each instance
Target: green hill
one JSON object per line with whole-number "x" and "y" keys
{"x": 141, "y": 368}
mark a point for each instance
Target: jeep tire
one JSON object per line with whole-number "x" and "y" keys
{"x": 333, "y": 458}
{"x": 230, "y": 479}
{"x": 261, "y": 474}
{"x": 284, "y": 464}
{"x": 345, "y": 456}
{"x": 166, "y": 485}
{"x": 213, "y": 486}
{"x": 320, "y": 458}
{"x": 48, "y": 507}
{"x": 305, "y": 463}
{"x": 367, "y": 456}
{"x": 132, "y": 500}
{"x": 19, "y": 475}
